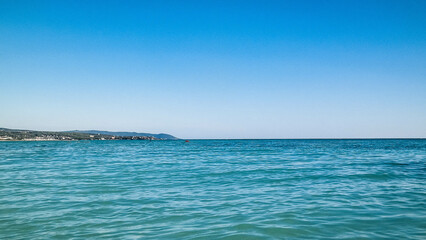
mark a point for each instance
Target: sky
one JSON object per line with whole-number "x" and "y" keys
{"x": 216, "y": 69}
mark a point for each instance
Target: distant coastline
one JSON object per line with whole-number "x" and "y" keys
{"x": 31, "y": 135}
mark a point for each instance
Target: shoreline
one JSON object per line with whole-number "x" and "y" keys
{"x": 59, "y": 140}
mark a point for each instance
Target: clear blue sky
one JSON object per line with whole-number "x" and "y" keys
{"x": 216, "y": 69}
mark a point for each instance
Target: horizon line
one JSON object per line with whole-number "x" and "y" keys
{"x": 303, "y": 138}
{"x": 373, "y": 138}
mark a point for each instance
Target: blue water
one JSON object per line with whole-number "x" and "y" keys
{"x": 213, "y": 189}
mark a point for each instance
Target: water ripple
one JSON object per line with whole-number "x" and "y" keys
{"x": 213, "y": 189}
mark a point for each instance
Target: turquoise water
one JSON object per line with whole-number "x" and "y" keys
{"x": 213, "y": 189}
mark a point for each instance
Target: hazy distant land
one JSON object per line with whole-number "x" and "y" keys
{"x": 31, "y": 135}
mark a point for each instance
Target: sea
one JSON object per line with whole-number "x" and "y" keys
{"x": 213, "y": 189}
